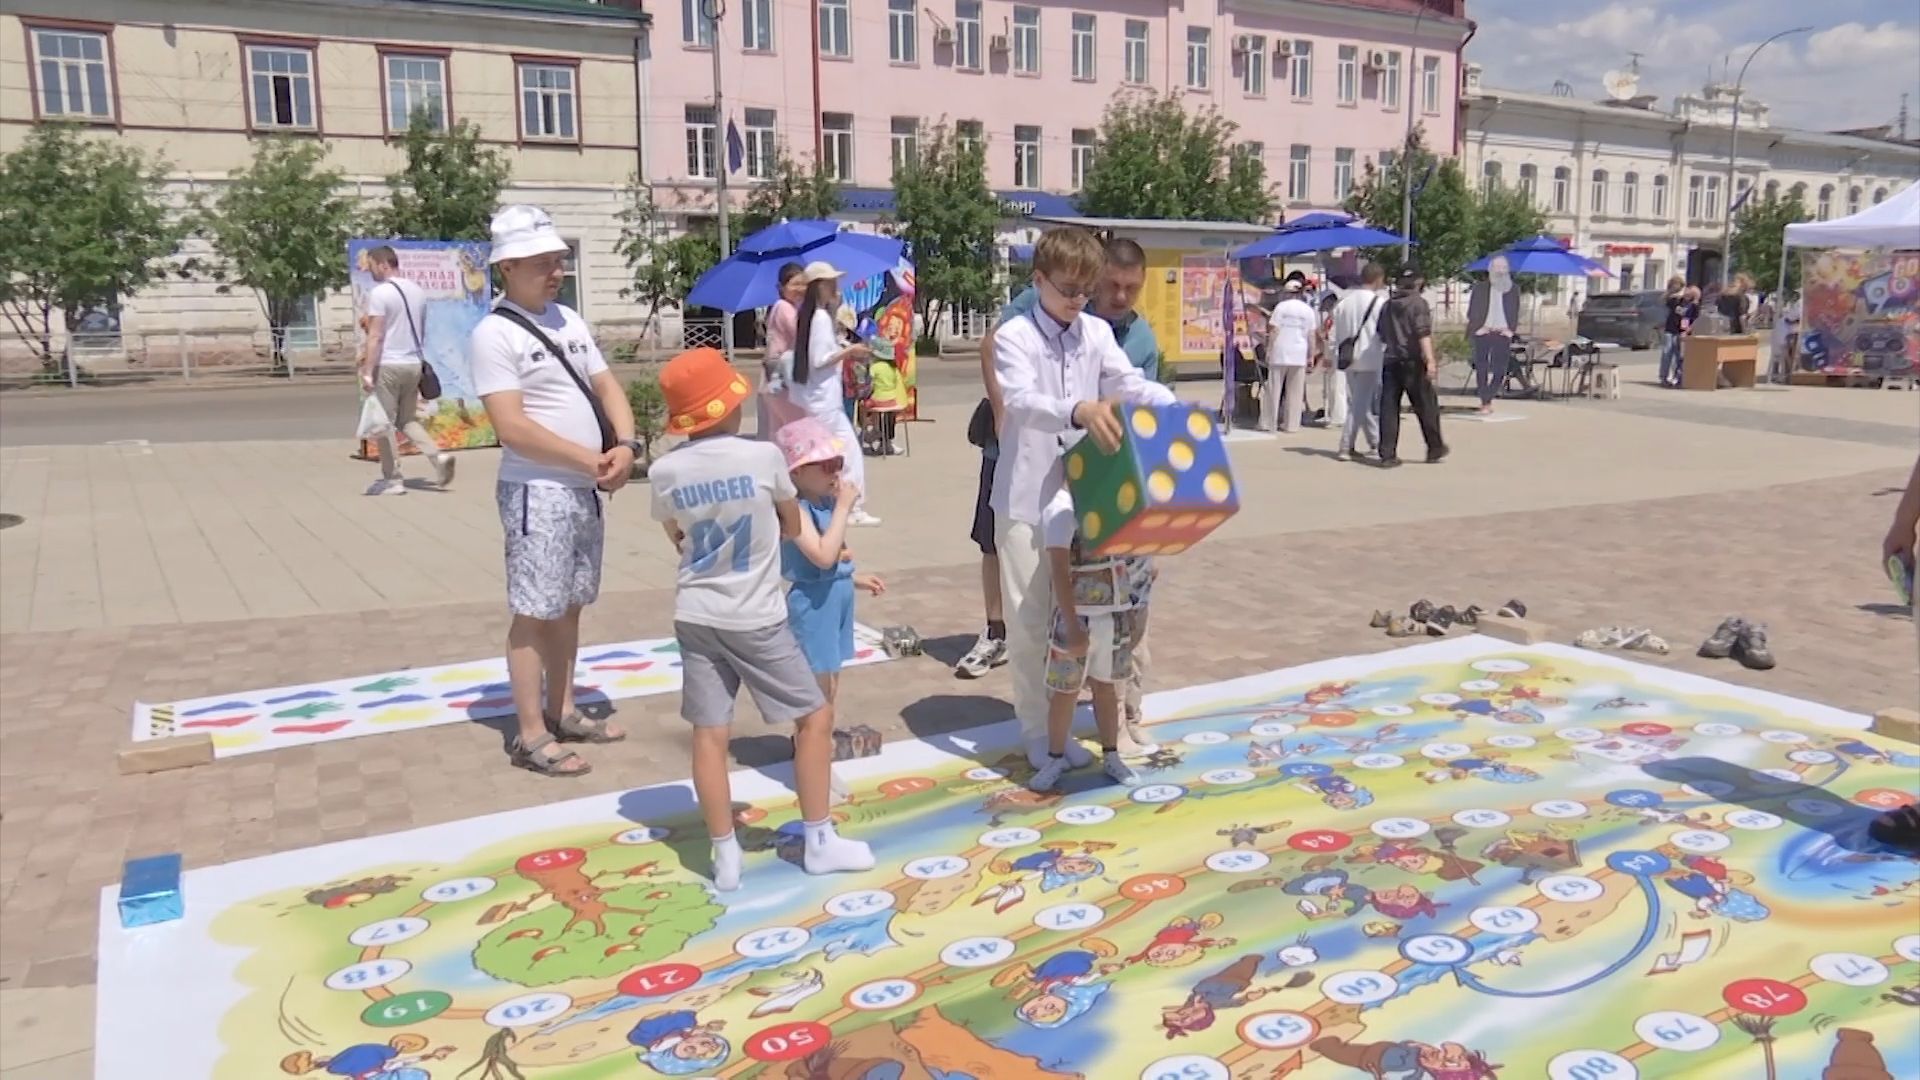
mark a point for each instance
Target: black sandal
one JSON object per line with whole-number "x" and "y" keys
{"x": 528, "y": 756}
{"x": 578, "y": 727}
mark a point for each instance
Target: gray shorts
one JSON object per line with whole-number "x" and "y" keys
{"x": 554, "y": 539}
{"x": 714, "y": 664}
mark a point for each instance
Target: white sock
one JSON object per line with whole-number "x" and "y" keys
{"x": 726, "y": 863}
{"x": 830, "y": 853}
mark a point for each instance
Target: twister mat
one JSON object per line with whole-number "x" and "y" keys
{"x": 256, "y": 720}
{"x": 1429, "y": 863}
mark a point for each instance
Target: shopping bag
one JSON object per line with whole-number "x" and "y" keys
{"x": 374, "y": 423}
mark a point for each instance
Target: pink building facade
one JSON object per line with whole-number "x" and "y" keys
{"x": 1319, "y": 88}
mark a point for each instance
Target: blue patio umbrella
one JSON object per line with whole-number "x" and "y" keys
{"x": 1542, "y": 255}
{"x": 1316, "y": 219}
{"x": 750, "y": 278}
{"x": 1302, "y": 238}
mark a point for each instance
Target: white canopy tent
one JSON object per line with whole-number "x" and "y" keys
{"x": 1888, "y": 226}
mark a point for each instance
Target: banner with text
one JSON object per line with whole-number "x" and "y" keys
{"x": 453, "y": 274}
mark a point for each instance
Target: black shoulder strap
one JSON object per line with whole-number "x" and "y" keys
{"x": 608, "y": 440}
{"x": 412, "y": 327}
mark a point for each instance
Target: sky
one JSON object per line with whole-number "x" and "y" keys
{"x": 1849, "y": 72}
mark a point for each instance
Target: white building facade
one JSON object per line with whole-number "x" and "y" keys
{"x": 1646, "y": 191}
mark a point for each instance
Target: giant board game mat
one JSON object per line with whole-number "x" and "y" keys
{"x": 1431, "y": 863}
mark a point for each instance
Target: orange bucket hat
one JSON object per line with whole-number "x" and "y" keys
{"x": 701, "y": 389}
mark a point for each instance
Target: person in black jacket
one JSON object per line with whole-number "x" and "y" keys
{"x": 1406, "y": 332}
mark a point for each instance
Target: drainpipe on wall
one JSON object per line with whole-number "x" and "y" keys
{"x": 1676, "y": 203}
{"x": 1460, "y": 85}
{"x": 818, "y": 135}
{"x": 640, "y": 177}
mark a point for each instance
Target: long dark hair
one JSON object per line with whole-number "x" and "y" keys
{"x": 803, "y": 328}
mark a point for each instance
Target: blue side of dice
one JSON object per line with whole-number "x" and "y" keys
{"x": 150, "y": 891}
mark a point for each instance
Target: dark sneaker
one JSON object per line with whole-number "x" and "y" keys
{"x": 1421, "y": 610}
{"x": 1471, "y": 616}
{"x": 1389, "y": 462}
{"x": 1514, "y": 609}
{"x": 1380, "y": 620}
{"x": 1435, "y": 457}
{"x": 1445, "y": 617}
{"x": 1719, "y": 645}
{"x": 1751, "y": 647}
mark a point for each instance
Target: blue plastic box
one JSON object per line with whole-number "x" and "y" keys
{"x": 150, "y": 891}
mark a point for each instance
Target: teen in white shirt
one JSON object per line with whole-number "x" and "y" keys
{"x": 1357, "y": 318}
{"x": 390, "y": 368}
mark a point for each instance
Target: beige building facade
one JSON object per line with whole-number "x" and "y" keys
{"x": 557, "y": 85}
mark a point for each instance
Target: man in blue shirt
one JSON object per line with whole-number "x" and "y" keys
{"x": 1113, "y": 301}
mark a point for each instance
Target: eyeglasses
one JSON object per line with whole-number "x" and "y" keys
{"x": 1073, "y": 292}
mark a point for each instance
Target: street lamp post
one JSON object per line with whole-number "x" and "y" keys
{"x": 1733, "y": 143}
{"x": 1406, "y": 147}
{"x": 713, "y": 10}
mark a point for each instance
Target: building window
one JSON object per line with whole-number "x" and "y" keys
{"x": 1342, "y": 174}
{"x": 971, "y": 135}
{"x": 1085, "y": 41}
{"x": 1199, "y": 57}
{"x": 1253, "y": 66}
{"x": 1696, "y": 185}
{"x": 1853, "y": 200}
{"x": 1713, "y": 198}
{"x": 1530, "y": 183}
{"x": 695, "y": 28}
{"x": 906, "y": 141}
{"x": 1826, "y": 202}
{"x": 1134, "y": 55}
{"x": 836, "y": 31}
{"x": 1771, "y": 191}
{"x": 1347, "y": 74}
{"x": 1660, "y": 199}
{"x": 1026, "y": 156}
{"x": 1302, "y": 70}
{"x": 570, "y": 281}
{"x": 1390, "y": 82}
{"x": 1598, "y": 196}
{"x": 703, "y": 142}
{"x": 1562, "y": 188}
{"x": 1387, "y": 159}
{"x": 761, "y": 126}
{"x": 1630, "y": 194}
{"x": 903, "y": 31}
{"x": 1430, "y": 84}
{"x": 1297, "y": 161}
{"x": 1082, "y": 156}
{"x": 1879, "y": 196}
{"x": 837, "y": 145}
{"x": 416, "y": 84}
{"x": 1026, "y": 40}
{"x": 74, "y": 77}
{"x": 547, "y": 102}
{"x": 1489, "y": 176}
{"x": 281, "y": 81}
{"x": 1252, "y": 151}
{"x": 756, "y": 25}
{"x": 966, "y": 35}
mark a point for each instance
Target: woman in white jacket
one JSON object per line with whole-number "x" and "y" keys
{"x": 814, "y": 374}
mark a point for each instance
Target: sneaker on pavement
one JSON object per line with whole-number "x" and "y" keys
{"x": 862, "y": 518}
{"x": 443, "y": 470}
{"x": 1646, "y": 641}
{"x": 1047, "y": 777}
{"x": 1343, "y": 455}
{"x": 1078, "y": 756}
{"x": 1719, "y": 645}
{"x": 1420, "y": 610}
{"x": 1514, "y": 609}
{"x": 1390, "y": 463}
{"x": 1118, "y": 770}
{"x": 1751, "y": 648}
{"x": 1435, "y": 457}
{"x": 1380, "y": 620}
{"x": 986, "y": 654}
{"x": 1445, "y": 617}
{"x": 393, "y": 487}
{"x": 1401, "y": 626}
{"x": 1471, "y": 616}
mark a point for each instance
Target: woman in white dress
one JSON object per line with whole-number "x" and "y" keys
{"x": 815, "y": 378}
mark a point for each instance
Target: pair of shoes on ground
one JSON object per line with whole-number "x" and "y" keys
{"x": 987, "y": 653}
{"x": 1626, "y": 638}
{"x": 1047, "y": 777}
{"x": 442, "y": 478}
{"x": 1423, "y": 617}
{"x": 1434, "y": 457}
{"x": 1742, "y": 640}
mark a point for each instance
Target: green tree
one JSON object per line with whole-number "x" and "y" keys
{"x": 947, "y": 216}
{"x": 1502, "y": 216}
{"x": 450, "y": 186}
{"x": 1758, "y": 231}
{"x": 82, "y": 223}
{"x": 663, "y": 267}
{"x": 1452, "y": 224}
{"x": 1155, "y": 159}
{"x": 794, "y": 192}
{"x": 281, "y": 228}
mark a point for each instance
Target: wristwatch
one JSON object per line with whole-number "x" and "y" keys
{"x": 633, "y": 445}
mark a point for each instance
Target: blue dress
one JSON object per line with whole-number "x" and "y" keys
{"x": 819, "y": 602}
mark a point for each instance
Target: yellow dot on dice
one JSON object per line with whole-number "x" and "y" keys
{"x": 1160, "y": 486}
{"x": 1174, "y": 549}
{"x": 1127, "y": 497}
{"x": 1180, "y": 456}
{"x": 1145, "y": 424}
{"x": 1199, "y": 425}
{"x": 1147, "y": 549}
{"x": 1185, "y": 521}
{"x": 1120, "y": 549}
{"x": 1153, "y": 521}
{"x": 1218, "y": 486}
{"x": 1076, "y": 467}
{"x": 1090, "y": 524}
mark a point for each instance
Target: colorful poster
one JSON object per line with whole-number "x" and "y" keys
{"x": 453, "y": 274}
{"x": 1861, "y": 313}
{"x": 886, "y": 301}
{"x": 1204, "y": 280}
{"x": 1430, "y": 862}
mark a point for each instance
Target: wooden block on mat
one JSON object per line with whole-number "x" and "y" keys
{"x": 1518, "y": 631}
{"x": 173, "y": 752}
{"x": 1902, "y": 724}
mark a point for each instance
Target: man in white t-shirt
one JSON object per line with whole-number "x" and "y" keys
{"x": 534, "y": 366}
{"x": 1356, "y": 319}
{"x": 1292, "y": 330}
{"x": 390, "y": 367}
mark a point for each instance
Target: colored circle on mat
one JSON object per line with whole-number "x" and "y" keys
{"x": 1681, "y": 1031}
{"x": 550, "y": 859}
{"x": 406, "y": 1009}
{"x": 977, "y": 952}
{"x": 882, "y": 994}
{"x": 1591, "y": 1065}
{"x": 1160, "y": 486}
{"x": 1180, "y": 456}
{"x": 1145, "y": 424}
{"x": 860, "y": 902}
{"x": 378, "y": 935}
{"x": 368, "y": 974}
{"x": 1319, "y": 840}
{"x": 1764, "y": 997}
{"x": 1153, "y": 887}
{"x": 1849, "y": 969}
{"x": 772, "y": 941}
{"x": 1187, "y": 1067}
{"x": 1646, "y": 727}
{"x": 658, "y": 980}
{"x": 788, "y": 1042}
{"x": 446, "y": 892}
{"x": 528, "y": 1010}
{"x": 1278, "y": 1030}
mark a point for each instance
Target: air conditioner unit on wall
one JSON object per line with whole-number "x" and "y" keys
{"x": 1377, "y": 60}
{"x": 1242, "y": 44}
{"x": 943, "y": 35}
{"x": 999, "y": 44}
{"x": 1282, "y": 49}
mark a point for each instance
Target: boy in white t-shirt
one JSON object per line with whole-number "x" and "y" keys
{"x": 565, "y": 442}
{"x": 726, "y": 503}
{"x": 390, "y": 367}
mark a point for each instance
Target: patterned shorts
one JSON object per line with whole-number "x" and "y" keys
{"x": 554, "y": 539}
{"x": 1109, "y": 659}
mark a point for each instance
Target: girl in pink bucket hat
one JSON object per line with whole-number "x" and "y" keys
{"x": 816, "y": 563}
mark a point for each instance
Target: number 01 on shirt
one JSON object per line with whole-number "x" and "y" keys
{"x": 1168, "y": 485}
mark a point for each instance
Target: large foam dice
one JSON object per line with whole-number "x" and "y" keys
{"x": 1168, "y": 485}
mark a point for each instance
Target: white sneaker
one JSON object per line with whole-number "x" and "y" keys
{"x": 1078, "y": 755}
{"x": 393, "y": 487}
{"x": 985, "y": 655}
{"x": 1047, "y": 776}
{"x": 861, "y": 517}
{"x": 443, "y": 470}
{"x": 1118, "y": 770}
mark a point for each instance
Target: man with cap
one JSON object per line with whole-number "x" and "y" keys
{"x": 1406, "y": 333}
{"x": 566, "y": 433}
{"x": 1292, "y": 330}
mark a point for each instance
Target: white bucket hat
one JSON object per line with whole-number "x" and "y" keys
{"x": 820, "y": 271}
{"x": 521, "y": 232}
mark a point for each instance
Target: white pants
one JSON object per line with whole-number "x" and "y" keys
{"x": 1333, "y": 391}
{"x": 1026, "y": 594}
{"x": 853, "y": 462}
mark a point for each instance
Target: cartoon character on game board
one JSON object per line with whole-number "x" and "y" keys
{"x": 1406, "y": 1060}
{"x": 1057, "y": 865}
{"x": 1513, "y": 709}
{"x": 1337, "y": 791}
{"x": 1415, "y": 859}
{"x": 1229, "y": 988}
{"x": 1856, "y": 749}
{"x": 678, "y": 1044}
{"x": 1534, "y": 853}
{"x": 1334, "y": 889}
{"x": 355, "y": 893}
{"x": 1180, "y": 942}
{"x": 1711, "y": 886}
{"x": 1487, "y": 766}
{"x": 1320, "y": 706}
{"x": 397, "y": 1059}
{"x": 1453, "y": 1061}
{"x": 1064, "y": 987}
{"x": 1248, "y": 835}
